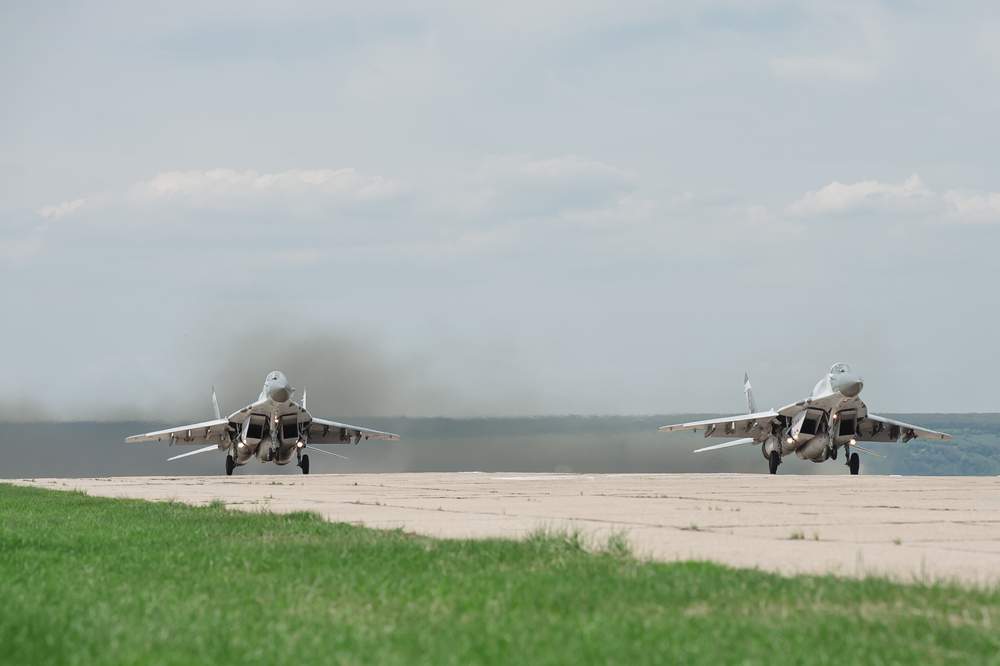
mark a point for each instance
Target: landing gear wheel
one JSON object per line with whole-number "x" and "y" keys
{"x": 230, "y": 465}
{"x": 304, "y": 464}
{"x": 773, "y": 461}
{"x": 854, "y": 462}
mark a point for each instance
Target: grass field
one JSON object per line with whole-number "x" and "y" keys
{"x": 88, "y": 581}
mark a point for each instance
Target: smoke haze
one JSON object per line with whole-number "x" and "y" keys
{"x": 343, "y": 373}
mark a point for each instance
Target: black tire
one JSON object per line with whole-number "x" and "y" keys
{"x": 854, "y": 462}
{"x": 773, "y": 461}
{"x": 230, "y": 465}
{"x": 304, "y": 464}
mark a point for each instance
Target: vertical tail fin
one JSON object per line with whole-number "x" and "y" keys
{"x": 215, "y": 404}
{"x": 304, "y": 398}
{"x": 751, "y": 404}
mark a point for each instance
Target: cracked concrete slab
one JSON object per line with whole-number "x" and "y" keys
{"x": 906, "y": 528}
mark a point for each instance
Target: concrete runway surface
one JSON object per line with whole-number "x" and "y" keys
{"x": 912, "y": 528}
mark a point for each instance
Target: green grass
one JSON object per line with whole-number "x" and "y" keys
{"x": 88, "y": 581}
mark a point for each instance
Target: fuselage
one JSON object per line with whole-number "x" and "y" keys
{"x": 828, "y": 421}
{"x": 272, "y": 431}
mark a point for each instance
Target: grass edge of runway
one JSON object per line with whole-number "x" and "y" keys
{"x": 96, "y": 580}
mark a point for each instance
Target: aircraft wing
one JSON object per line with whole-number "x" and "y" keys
{"x": 321, "y": 431}
{"x": 215, "y": 431}
{"x": 881, "y": 429}
{"x": 750, "y": 425}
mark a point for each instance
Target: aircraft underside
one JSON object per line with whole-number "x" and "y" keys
{"x": 816, "y": 435}
{"x": 818, "y": 449}
{"x": 266, "y": 452}
{"x": 269, "y": 438}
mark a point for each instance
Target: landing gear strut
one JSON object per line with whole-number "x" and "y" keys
{"x": 773, "y": 461}
{"x": 304, "y": 464}
{"x": 854, "y": 463}
{"x": 230, "y": 465}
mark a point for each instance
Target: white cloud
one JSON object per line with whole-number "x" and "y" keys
{"x": 502, "y": 203}
{"x": 840, "y": 197}
{"x": 233, "y": 189}
{"x": 473, "y": 209}
{"x": 497, "y": 189}
{"x": 911, "y": 196}
{"x": 973, "y": 206}
{"x": 54, "y": 212}
{"x": 221, "y": 185}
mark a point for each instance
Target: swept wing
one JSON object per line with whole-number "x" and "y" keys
{"x": 323, "y": 431}
{"x": 881, "y": 429}
{"x": 215, "y": 431}
{"x": 747, "y": 425}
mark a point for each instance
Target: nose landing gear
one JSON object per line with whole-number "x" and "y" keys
{"x": 773, "y": 461}
{"x": 304, "y": 464}
{"x": 230, "y": 464}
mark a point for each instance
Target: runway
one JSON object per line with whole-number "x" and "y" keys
{"x": 912, "y": 528}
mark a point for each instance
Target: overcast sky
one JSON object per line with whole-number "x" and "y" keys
{"x": 509, "y": 208}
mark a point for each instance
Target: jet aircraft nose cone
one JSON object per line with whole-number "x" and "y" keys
{"x": 852, "y": 389}
{"x": 279, "y": 394}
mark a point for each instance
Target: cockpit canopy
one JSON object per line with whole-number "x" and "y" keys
{"x": 840, "y": 369}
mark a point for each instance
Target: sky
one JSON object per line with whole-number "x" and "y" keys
{"x": 443, "y": 208}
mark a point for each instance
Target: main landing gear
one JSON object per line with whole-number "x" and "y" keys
{"x": 773, "y": 461}
{"x": 854, "y": 463}
{"x": 304, "y": 464}
{"x": 230, "y": 465}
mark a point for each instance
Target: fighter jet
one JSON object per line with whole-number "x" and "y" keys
{"x": 833, "y": 417}
{"x": 275, "y": 428}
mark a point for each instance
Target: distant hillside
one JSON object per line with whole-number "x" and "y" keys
{"x": 540, "y": 444}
